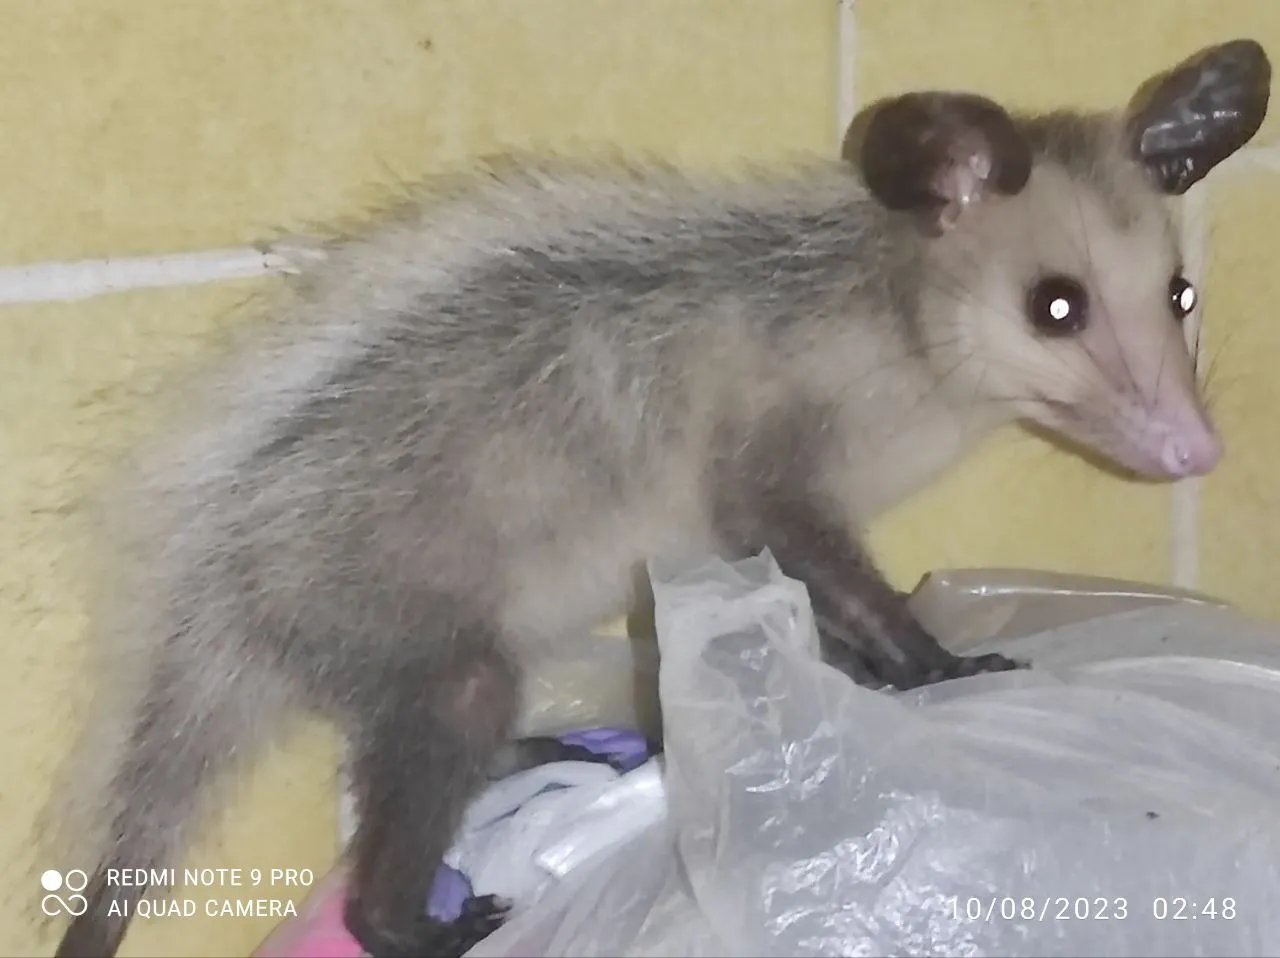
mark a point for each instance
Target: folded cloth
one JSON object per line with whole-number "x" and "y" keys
{"x": 520, "y": 832}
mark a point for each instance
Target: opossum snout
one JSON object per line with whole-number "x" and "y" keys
{"x": 1192, "y": 448}
{"x": 1171, "y": 439}
{"x": 1175, "y": 443}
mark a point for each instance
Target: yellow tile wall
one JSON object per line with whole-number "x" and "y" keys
{"x": 148, "y": 127}
{"x": 1240, "y": 505}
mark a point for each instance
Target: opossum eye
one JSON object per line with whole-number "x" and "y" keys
{"x": 1182, "y": 297}
{"x": 1058, "y": 306}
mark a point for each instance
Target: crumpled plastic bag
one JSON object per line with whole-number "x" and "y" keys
{"x": 1119, "y": 798}
{"x": 535, "y": 826}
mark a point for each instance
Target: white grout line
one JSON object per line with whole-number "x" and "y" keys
{"x": 1184, "y": 544}
{"x": 846, "y": 73}
{"x": 77, "y": 280}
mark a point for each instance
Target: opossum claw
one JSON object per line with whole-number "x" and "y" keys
{"x": 964, "y": 666}
{"x": 481, "y": 916}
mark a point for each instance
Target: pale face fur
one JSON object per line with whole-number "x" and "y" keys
{"x": 1124, "y": 385}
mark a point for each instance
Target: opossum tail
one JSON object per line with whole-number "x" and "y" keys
{"x": 144, "y": 776}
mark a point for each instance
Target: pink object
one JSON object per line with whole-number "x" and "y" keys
{"x": 318, "y": 931}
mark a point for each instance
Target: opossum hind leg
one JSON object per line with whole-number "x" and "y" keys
{"x": 427, "y": 736}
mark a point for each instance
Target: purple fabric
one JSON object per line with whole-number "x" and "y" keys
{"x": 449, "y": 893}
{"x": 625, "y": 748}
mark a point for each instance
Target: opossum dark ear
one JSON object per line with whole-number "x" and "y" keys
{"x": 1182, "y": 123}
{"x": 933, "y": 154}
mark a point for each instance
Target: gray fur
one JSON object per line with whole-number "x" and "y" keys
{"x": 471, "y": 422}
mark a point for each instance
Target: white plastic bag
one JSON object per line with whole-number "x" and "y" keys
{"x": 1120, "y": 798}
{"x": 534, "y": 827}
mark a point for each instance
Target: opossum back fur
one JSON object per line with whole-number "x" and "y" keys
{"x": 503, "y": 393}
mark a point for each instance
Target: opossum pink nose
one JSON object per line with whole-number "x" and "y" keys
{"x": 1192, "y": 449}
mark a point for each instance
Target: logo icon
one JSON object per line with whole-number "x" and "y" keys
{"x": 73, "y": 882}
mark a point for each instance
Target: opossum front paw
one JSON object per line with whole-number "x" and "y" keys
{"x": 852, "y": 662}
{"x": 963, "y": 666}
{"x": 481, "y": 916}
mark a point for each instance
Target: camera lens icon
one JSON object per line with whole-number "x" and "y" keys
{"x": 73, "y": 882}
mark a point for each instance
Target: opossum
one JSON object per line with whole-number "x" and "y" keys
{"x": 478, "y": 414}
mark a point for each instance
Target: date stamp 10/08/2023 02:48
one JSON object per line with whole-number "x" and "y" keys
{"x": 1045, "y": 908}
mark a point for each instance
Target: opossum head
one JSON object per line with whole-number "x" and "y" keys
{"x": 1058, "y": 288}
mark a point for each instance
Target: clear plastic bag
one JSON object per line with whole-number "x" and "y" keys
{"x": 1119, "y": 798}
